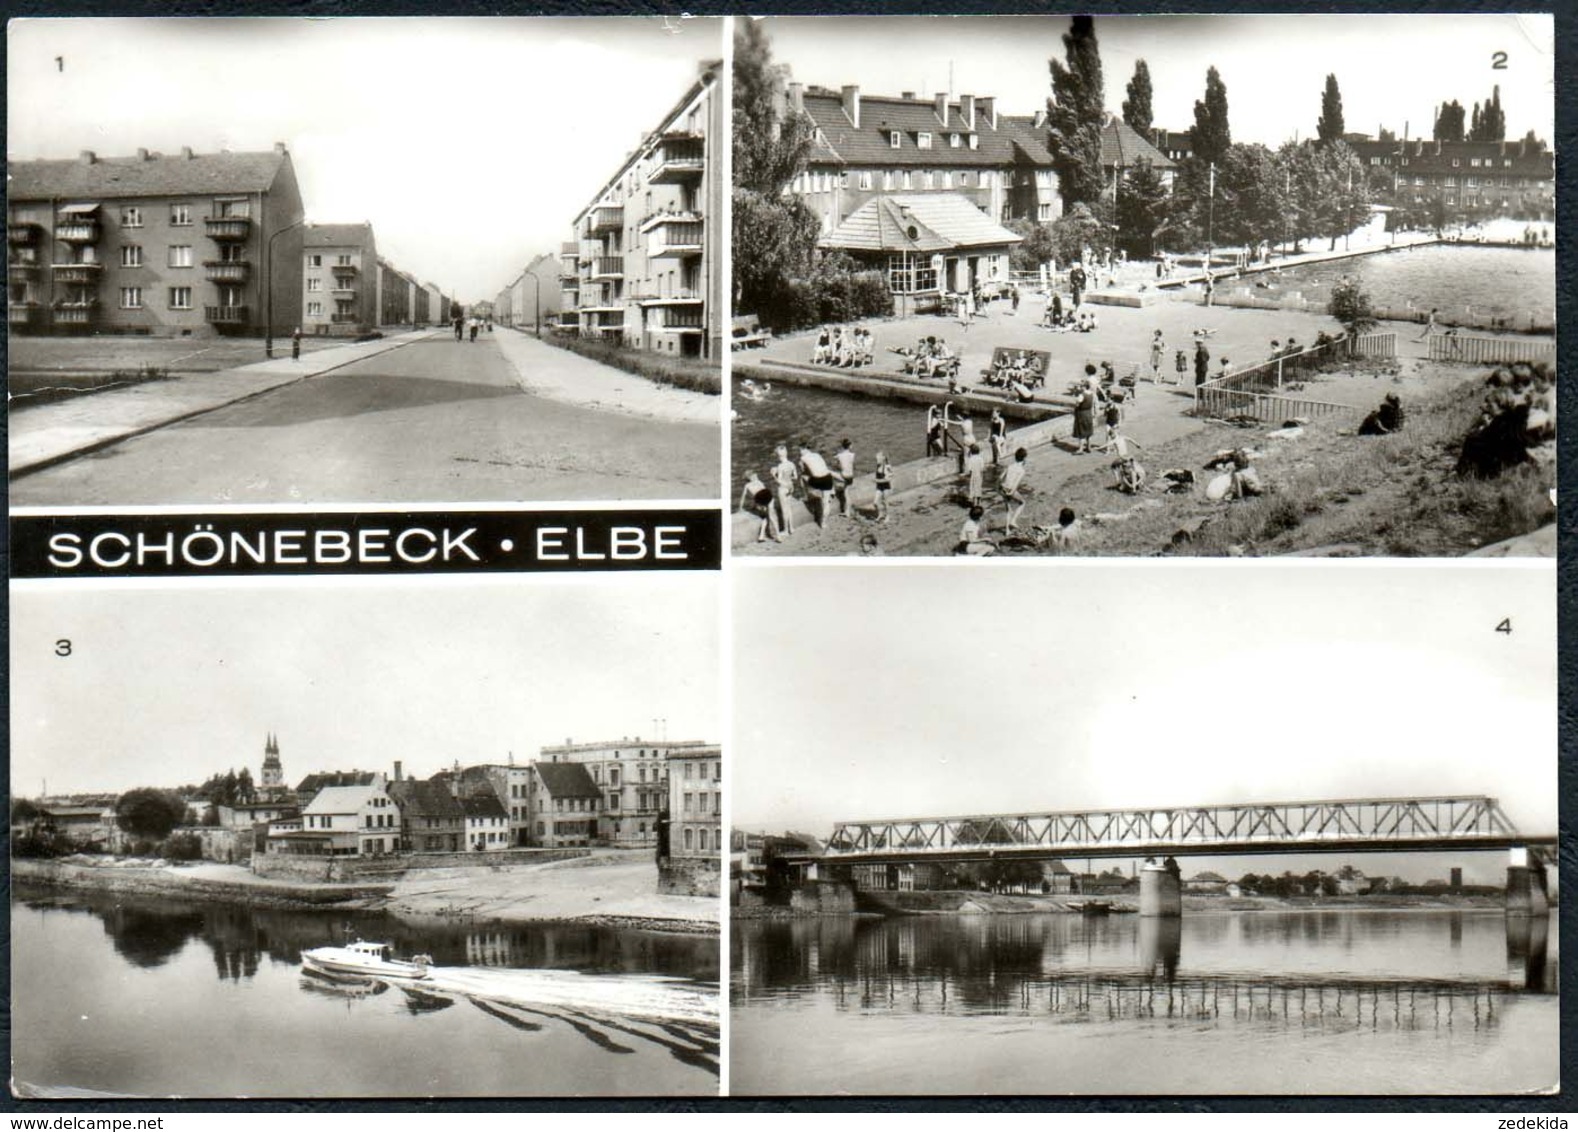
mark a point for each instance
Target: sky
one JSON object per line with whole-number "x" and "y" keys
{"x": 166, "y": 686}
{"x": 1391, "y": 69}
{"x": 470, "y": 144}
{"x": 865, "y": 692}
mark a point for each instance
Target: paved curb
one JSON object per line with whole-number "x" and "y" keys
{"x": 18, "y": 471}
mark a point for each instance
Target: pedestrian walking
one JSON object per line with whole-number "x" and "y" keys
{"x": 1430, "y": 326}
{"x": 1180, "y": 365}
{"x": 473, "y": 330}
{"x": 460, "y": 329}
{"x": 295, "y": 345}
{"x": 1085, "y": 412}
{"x": 1202, "y": 360}
{"x": 1158, "y": 352}
{"x": 1076, "y": 283}
{"x": 1013, "y": 295}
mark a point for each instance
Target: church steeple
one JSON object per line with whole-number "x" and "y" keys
{"x": 273, "y": 772}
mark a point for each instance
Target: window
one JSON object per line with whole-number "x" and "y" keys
{"x": 928, "y": 181}
{"x": 895, "y": 139}
{"x": 688, "y": 798}
{"x": 315, "y": 310}
{"x": 342, "y": 261}
{"x": 887, "y": 180}
{"x": 180, "y": 215}
{"x": 180, "y": 255}
{"x": 1375, "y": 161}
{"x": 315, "y": 261}
{"x": 180, "y": 298}
{"x": 964, "y": 179}
{"x": 131, "y": 256}
{"x": 922, "y": 140}
{"x": 314, "y": 283}
{"x": 131, "y": 217}
{"x": 701, "y": 839}
{"x": 1506, "y": 163}
{"x": 131, "y": 298}
{"x": 865, "y": 179}
{"x": 689, "y": 771}
{"x": 1043, "y": 178}
{"x": 1403, "y": 161}
{"x": 1044, "y": 211}
{"x": 688, "y": 836}
{"x": 908, "y": 180}
{"x": 953, "y": 141}
{"x": 232, "y": 208}
{"x": 975, "y": 141}
{"x": 1455, "y": 163}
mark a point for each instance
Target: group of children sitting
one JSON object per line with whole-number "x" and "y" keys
{"x": 1014, "y": 371}
{"x": 930, "y": 357}
{"x": 1081, "y": 321}
{"x": 848, "y": 349}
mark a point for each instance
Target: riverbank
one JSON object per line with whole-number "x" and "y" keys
{"x": 618, "y": 892}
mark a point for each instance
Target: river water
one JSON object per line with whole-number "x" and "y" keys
{"x": 152, "y": 997}
{"x": 1382, "y": 1002}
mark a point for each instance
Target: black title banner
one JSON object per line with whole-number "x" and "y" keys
{"x": 365, "y": 542}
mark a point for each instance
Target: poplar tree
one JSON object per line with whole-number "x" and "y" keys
{"x": 1074, "y": 116}
{"x": 1137, "y": 107}
{"x": 1330, "y": 128}
{"x": 1210, "y": 136}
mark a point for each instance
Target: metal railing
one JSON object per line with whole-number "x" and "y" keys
{"x": 1474, "y": 349}
{"x": 1257, "y": 390}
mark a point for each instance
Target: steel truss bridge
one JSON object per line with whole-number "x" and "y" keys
{"x": 1345, "y": 826}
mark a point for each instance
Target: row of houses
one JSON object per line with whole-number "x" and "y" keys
{"x": 192, "y": 244}
{"x": 643, "y": 266}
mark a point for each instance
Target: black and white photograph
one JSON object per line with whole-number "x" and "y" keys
{"x": 1144, "y": 831}
{"x": 366, "y": 840}
{"x": 1322, "y": 246}
{"x": 364, "y": 260}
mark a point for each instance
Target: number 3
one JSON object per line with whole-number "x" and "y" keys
{"x": 1498, "y": 60}
{"x": 63, "y": 647}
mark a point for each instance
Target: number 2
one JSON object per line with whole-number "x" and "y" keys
{"x": 1498, "y": 60}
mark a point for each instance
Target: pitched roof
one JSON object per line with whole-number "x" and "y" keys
{"x": 424, "y": 799}
{"x": 338, "y": 800}
{"x": 567, "y": 780}
{"x": 1122, "y": 146}
{"x": 315, "y": 782}
{"x": 157, "y": 175}
{"x": 870, "y": 143}
{"x": 336, "y": 235}
{"x": 918, "y": 222}
{"x": 483, "y": 806}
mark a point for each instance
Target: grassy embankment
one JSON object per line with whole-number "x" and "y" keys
{"x": 1331, "y": 490}
{"x": 696, "y": 374}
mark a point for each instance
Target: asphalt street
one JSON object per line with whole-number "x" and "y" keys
{"x": 435, "y": 421}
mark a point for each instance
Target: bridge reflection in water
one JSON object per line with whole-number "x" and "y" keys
{"x": 1136, "y": 969}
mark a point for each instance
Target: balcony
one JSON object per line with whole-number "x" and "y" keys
{"x": 75, "y": 314}
{"x": 77, "y": 273}
{"x": 22, "y": 269}
{"x": 608, "y": 267}
{"x": 225, "y": 316}
{"x": 607, "y": 218}
{"x": 569, "y": 299}
{"x": 679, "y": 157}
{"x": 345, "y": 270}
{"x": 570, "y": 248}
{"x": 227, "y": 270}
{"x": 342, "y": 319}
{"x": 78, "y": 230}
{"x": 674, "y": 236}
{"x": 678, "y": 298}
{"x": 22, "y": 233}
{"x": 681, "y": 318}
{"x": 23, "y": 314}
{"x": 227, "y": 227}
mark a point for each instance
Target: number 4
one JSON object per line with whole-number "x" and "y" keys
{"x": 1505, "y": 626}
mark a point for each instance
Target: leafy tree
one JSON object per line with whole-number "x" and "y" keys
{"x": 1036, "y": 246}
{"x": 1210, "y": 135}
{"x": 774, "y": 239}
{"x": 245, "y": 791}
{"x": 1490, "y": 123}
{"x": 149, "y": 813}
{"x": 1142, "y": 213}
{"x": 181, "y": 847}
{"x": 769, "y": 148}
{"x": 1077, "y": 229}
{"x": 1074, "y": 116}
{"x": 23, "y": 811}
{"x": 1137, "y": 107}
{"x": 1350, "y": 305}
{"x": 1330, "y": 127}
{"x": 1449, "y": 122}
{"x": 1253, "y": 192}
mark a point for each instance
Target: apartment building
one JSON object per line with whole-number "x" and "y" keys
{"x": 341, "y": 821}
{"x": 437, "y": 305}
{"x": 1507, "y": 178}
{"x": 695, "y": 801}
{"x": 339, "y": 282}
{"x": 511, "y": 785}
{"x": 394, "y": 296}
{"x": 647, "y": 248}
{"x": 532, "y": 298}
{"x": 169, "y": 245}
{"x": 631, "y": 776}
{"x": 564, "y": 805}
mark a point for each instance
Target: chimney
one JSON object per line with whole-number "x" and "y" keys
{"x": 941, "y": 103}
{"x": 397, "y": 770}
{"x": 279, "y": 147}
{"x": 908, "y": 96}
{"x": 987, "y": 104}
{"x": 797, "y": 97}
{"x": 967, "y": 109}
{"x": 87, "y": 157}
{"x": 1039, "y": 119}
{"x": 142, "y": 154}
{"x": 186, "y": 152}
{"x": 852, "y": 103}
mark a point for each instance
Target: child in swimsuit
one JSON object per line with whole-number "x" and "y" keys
{"x": 884, "y": 485}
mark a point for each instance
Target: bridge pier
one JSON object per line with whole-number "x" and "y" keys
{"x": 1161, "y": 891}
{"x": 1526, "y": 892}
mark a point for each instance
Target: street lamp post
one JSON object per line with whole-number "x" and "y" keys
{"x": 1210, "y": 225}
{"x": 268, "y": 287}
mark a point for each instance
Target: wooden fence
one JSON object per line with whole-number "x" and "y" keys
{"x": 1474, "y": 349}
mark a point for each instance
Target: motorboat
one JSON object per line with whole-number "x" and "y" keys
{"x": 367, "y": 959}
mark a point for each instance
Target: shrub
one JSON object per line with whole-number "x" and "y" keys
{"x": 1350, "y": 305}
{"x": 182, "y": 846}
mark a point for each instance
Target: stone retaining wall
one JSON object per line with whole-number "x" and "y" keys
{"x": 174, "y": 882}
{"x": 332, "y": 870}
{"x": 822, "y": 897}
{"x": 690, "y": 876}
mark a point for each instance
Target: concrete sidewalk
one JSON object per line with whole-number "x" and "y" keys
{"x": 560, "y": 375}
{"x": 50, "y": 434}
